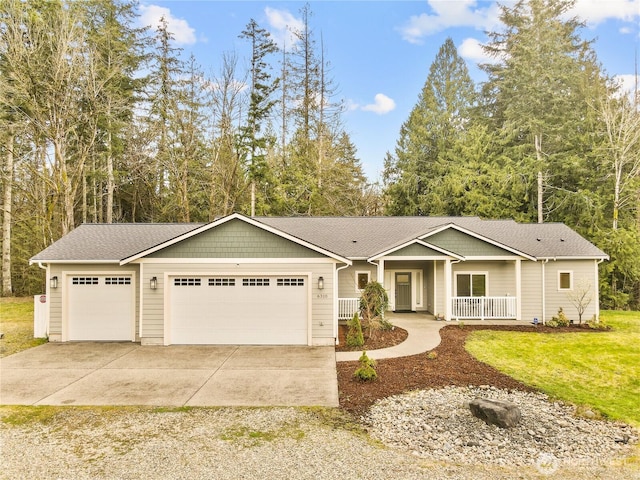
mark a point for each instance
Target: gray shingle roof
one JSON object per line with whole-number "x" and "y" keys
{"x": 111, "y": 242}
{"x": 351, "y": 237}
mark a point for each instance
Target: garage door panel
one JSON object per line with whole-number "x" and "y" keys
{"x": 100, "y": 307}
{"x": 258, "y": 310}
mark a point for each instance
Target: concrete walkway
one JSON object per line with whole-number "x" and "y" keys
{"x": 424, "y": 335}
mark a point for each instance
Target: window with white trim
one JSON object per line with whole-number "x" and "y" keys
{"x": 565, "y": 280}
{"x": 255, "y": 282}
{"x": 117, "y": 281}
{"x": 362, "y": 278}
{"x": 471, "y": 284}
{"x": 222, "y": 282}
{"x": 84, "y": 280}
{"x": 290, "y": 282}
{"x": 187, "y": 282}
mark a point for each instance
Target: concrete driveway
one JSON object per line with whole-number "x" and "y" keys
{"x": 91, "y": 373}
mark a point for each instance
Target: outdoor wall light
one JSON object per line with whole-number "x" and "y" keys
{"x": 320, "y": 283}
{"x": 53, "y": 282}
{"x": 153, "y": 283}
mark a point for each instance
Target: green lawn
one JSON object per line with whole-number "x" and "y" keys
{"x": 598, "y": 370}
{"x": 16, "y": 322}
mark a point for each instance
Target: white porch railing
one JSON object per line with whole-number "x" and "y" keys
{"x": 347, "y": 307}
{"x": 483, "y": 307}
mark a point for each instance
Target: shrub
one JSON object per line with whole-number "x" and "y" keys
{"x": 560, "y": 321}
{"x": 355, "y": 338}
{"x": 598, "y": 324}
{"x": 366, "y": 371}
{"x": 373, "y": 303}
{"x": 432, "y": 355}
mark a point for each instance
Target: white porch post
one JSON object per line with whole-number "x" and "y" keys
{"x": 518, "y": 289}
{"x": 380, "y": 272}
{"x": 447, "y": 289}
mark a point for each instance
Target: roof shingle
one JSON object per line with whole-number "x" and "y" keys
{"x": 351, "y": 237}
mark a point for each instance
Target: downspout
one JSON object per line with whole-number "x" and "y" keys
{"x": 448, "y": 289}
{"x": 377, "y": 265}
{"x": 46, "y": 292}
{"x": 335, "y": 301}
{"x": 544, "y": 296}
{"x": 597, "y": 287}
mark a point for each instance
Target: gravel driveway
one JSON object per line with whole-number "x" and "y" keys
{"x": 220, "y": 443}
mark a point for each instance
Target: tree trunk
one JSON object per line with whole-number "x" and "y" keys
{"x": 537, "y": 142}
{"x": 7, "y": 287}
{"x": 110, "y": 179}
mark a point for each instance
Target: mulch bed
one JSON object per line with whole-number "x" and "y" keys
{"x": 383, "y": 339}
{"x": 453, "y": 366}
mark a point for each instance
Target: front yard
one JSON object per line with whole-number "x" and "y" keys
{"x": 597, "y": 370}
{"x": 600, "y": 371}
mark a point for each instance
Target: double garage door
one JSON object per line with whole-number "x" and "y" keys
{"x": 100, "y": 307}
{"x": 242, "y": 310}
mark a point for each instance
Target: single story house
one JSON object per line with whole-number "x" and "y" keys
{"x": 290, "y": 280}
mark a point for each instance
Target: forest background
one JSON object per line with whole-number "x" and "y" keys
{"x": 103, "y": 121}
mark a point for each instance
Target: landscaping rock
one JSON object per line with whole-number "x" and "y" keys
{"x": 495, "y": 412}
{"x": 569, "y": 440}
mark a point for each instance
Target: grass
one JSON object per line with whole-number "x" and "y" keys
{"x": 600, "y": 371}
{"x": 16, "y": 322}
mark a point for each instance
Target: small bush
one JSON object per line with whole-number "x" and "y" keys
{"x": 432, "y": 355}
{"x": 355, "y": 338}
{"x": 560, "y": 321}
{"x": 366, "y": 371}
{"x": 598, "y": 324}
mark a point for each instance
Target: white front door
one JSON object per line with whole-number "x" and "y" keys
{"x": 243, "y": 310}
{"x": 100, "y": 307}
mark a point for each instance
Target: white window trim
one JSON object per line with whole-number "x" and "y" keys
{"x": 358, "y": 272}
{"x": 570, "y": 272}
{"x": 486, "y": 281}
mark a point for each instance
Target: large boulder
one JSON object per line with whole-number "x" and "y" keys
{"x": 495, "y": 412}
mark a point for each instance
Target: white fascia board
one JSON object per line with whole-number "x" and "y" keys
{"x": 419, "y": 242}
{"x": 226, "y": 219}
{"x": 556, "y": 257}
{"x": 496, "y": 257}
{"x": 242, "y": 261}
{"x": 414, "y": 258}
{"x": 51, "y": 262}
{"x": 479, "y": 237}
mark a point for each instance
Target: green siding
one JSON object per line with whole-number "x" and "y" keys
{"x": 416, "y": 250}
{"x": 236, "y": 239}
{"x": 463, "y": 244}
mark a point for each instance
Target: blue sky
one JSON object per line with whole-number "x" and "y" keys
{"x": 380, "y": 51}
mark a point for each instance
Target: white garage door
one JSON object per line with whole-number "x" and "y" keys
{"x": 100, "y": 307}
{"x": 243, "y": 310}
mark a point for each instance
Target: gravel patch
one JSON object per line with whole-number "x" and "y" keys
{"x": 437, "y": 424}
{"x": 221, "y": 443}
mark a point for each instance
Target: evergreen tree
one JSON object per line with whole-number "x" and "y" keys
{"x": 442, "y": 114}
{"x": 542, "y": 84}
{"x": 260, "y": 105}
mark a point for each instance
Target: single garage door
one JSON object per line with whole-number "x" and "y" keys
{"x": 242, "y": 310}
{"x": 100, "y": 307}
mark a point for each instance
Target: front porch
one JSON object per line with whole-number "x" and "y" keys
{"x": 462, "y": 308}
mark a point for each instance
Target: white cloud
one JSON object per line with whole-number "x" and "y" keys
{"x": 283, "y": 23}
{"x": 627, "y": 82}
{"x": 462, "y": 13}
{"x": 471, "y": 49}
{"x": 595, "y": 11}
{"x": 485, "y": 15}
{"x": 182, "y": 32}
{"x": 382, "y": 105}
